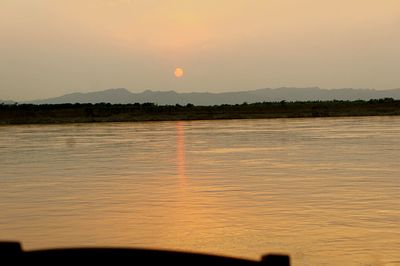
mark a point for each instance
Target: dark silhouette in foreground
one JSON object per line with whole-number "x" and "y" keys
{"x": 13, "y": 254}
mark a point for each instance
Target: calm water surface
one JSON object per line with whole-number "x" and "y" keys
{"x": 326, "y": 191}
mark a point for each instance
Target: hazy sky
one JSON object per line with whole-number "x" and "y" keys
{"x": 53, "y": 47}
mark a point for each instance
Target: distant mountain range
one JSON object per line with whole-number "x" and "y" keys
{"x": 6, "y": 102}
{"x": 124, "y": 96}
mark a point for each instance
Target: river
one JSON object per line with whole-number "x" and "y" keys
{"x": 324, "y": 190}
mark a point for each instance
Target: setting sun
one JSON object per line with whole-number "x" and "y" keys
{"x": 178, "y": 72}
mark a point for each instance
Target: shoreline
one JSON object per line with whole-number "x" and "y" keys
{"x": 183, "y": 119}
{"x": 101, "y": 113}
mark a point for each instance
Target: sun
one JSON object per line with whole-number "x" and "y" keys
{"x": 178, "y": 72}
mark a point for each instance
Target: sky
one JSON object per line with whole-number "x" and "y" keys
{"x": 53, "y": 47}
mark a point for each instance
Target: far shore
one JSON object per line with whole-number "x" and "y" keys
{"x": 103, "y": 112}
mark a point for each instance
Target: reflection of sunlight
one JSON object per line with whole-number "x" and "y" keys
{"x": 180, "y": 156}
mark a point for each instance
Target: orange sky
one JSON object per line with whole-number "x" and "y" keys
{"x": 51, "y": 47}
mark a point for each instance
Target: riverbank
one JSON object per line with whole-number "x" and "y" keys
{"x": 86, "y": 113}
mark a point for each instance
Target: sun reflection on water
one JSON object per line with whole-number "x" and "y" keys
{"x": 180, "y": 156}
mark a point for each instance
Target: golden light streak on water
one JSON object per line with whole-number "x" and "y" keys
{"x": 180, "y": 156}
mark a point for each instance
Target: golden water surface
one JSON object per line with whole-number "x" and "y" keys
{"x": 326, "y": 191}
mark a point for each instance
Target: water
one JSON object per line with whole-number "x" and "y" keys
{"x": 326, "y": 191}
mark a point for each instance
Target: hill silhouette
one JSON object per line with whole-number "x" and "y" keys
{"x": 6, "y": 102}
{"x": 123, "y": 96}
